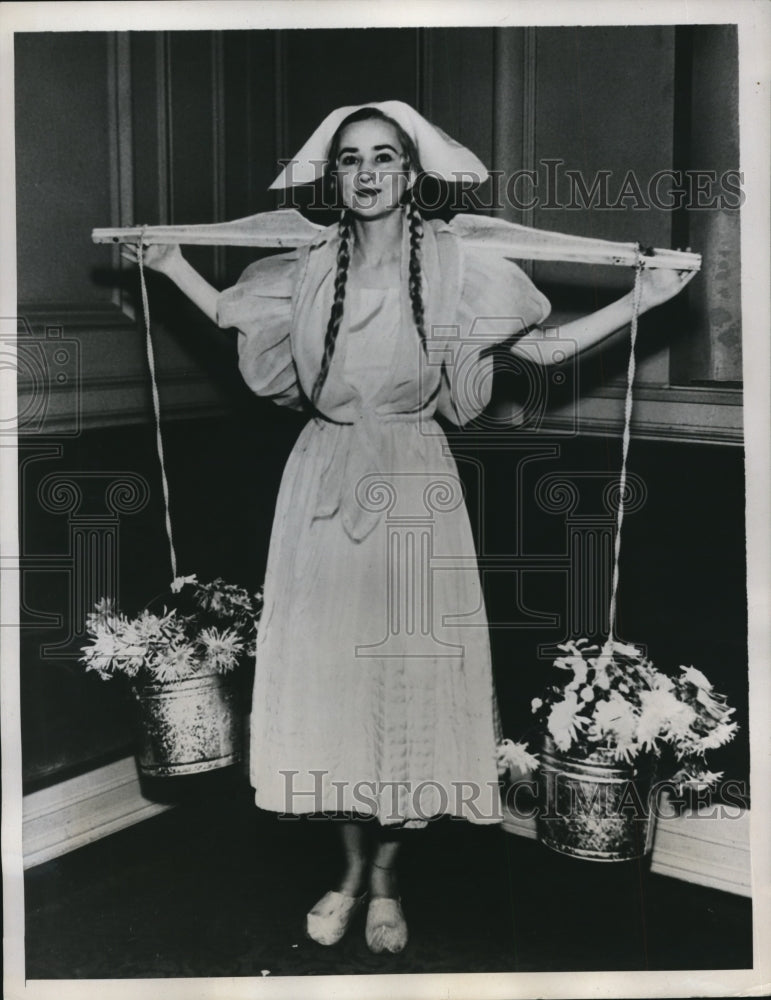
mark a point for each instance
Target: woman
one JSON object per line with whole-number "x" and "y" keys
{"x": 373, "y": 692}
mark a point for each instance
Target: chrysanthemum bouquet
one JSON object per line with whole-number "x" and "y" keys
{"x": 613, "y": 698}
{"x": 202, "y": 628}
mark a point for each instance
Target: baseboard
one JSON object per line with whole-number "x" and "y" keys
{"x": 76, "y": 812}
{"x": 63, "y": 817}
{"x": 707, "y": 850}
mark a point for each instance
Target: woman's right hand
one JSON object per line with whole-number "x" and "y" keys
{"x": 162, "y": 257}
{"x": 168, "y": 259}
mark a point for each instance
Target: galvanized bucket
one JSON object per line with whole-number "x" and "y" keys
{"x": 188, "y": 726}
{"x": 595, "y": 807}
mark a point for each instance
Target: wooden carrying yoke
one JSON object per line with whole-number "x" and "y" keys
{"x": 288, "y": 228}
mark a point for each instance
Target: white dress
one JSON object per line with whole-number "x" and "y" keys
{"x": 373, "y": 687}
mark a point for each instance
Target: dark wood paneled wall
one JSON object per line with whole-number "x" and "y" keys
{"x": 153, "y": 127}
{"x": 65, "y": 170}
{"x": 711, "y": 144}
{"x": 188, "y": 126}
{"x": 615, "y": 115}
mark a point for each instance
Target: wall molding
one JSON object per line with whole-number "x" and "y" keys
{"x": 121, "y": 146}
{"x": 679, "y": 414}
{"x": 81, "y": 810}
{"x": 164, "y": 128}
{"x": 710, "y": 852}
{"x": 659, "y": 415}
{"x": 67, "y": 397}
{"x": 705, "y": 850}
{"x": 112, "y": 401}
{"x": 700, "y": 849}
{"x": 73, "y": 813}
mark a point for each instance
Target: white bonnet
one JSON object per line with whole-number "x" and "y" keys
{"x": 438, "y": 153}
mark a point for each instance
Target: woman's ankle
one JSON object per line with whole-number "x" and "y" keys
{"x": 383, "y": 881}
{"x": 354, "y": 881}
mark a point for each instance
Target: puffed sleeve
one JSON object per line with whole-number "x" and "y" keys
{"x": 259, "y": 306}
{"x": 497, "y": 302}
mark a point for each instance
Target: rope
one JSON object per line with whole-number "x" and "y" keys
{"x": 156, "y": 403}
{"x": 631, "y": 368}
{"x": 630, "y": 373}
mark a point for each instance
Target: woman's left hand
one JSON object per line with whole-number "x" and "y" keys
{"x": 660, "y": 284}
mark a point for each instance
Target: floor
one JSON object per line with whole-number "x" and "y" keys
{"x": 216, "y": 887}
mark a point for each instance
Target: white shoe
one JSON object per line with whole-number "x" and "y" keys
{"x": 386, "y": 927}
{"x": 328, "y": 921}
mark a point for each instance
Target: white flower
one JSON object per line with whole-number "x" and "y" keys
{"x": 613, "y": 646}
{"x": 692, "y": 777}
{"x": 170, "y": 644}
{"x": 575, "y": 647}
{"x": 535, "y": 704}
{"x": 515, "y": 757}
{"x": 564, "y": 723}
{"x": 723, "y": 733}
{"x": 696, "y": 677}
{"x": 614, "y": 720}
{"x": 99, "y": 656}
{"x": 101, "y": 667}
{"x": 587, "y": 693}
{"x": 580, "y": 668}
{"x": 128, "y": 644}
{"x": 659, "y": 681}
{"x": 175, "y": 663}
{"x": 570, "y": 662}
{"x": 221, "y": 648}
{"x": 104, "y": 615}
{"x": 714, "y": 705}
{"x": 106, "y": 643}
{"x": 215, "y": 602}
{"x": 662, "y": 714}
{"x": 577, "y": 658}
{"x": 601, "y": 678}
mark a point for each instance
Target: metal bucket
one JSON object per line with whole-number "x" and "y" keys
{"x": 595, "y": 807}
{"x": 188, "y": 726}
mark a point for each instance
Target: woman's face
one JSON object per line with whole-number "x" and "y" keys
{"x": 371, "y": 168}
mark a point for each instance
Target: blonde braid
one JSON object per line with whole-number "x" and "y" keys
{"x": 341, "y": 277}
{"x": 415, "y": 279}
